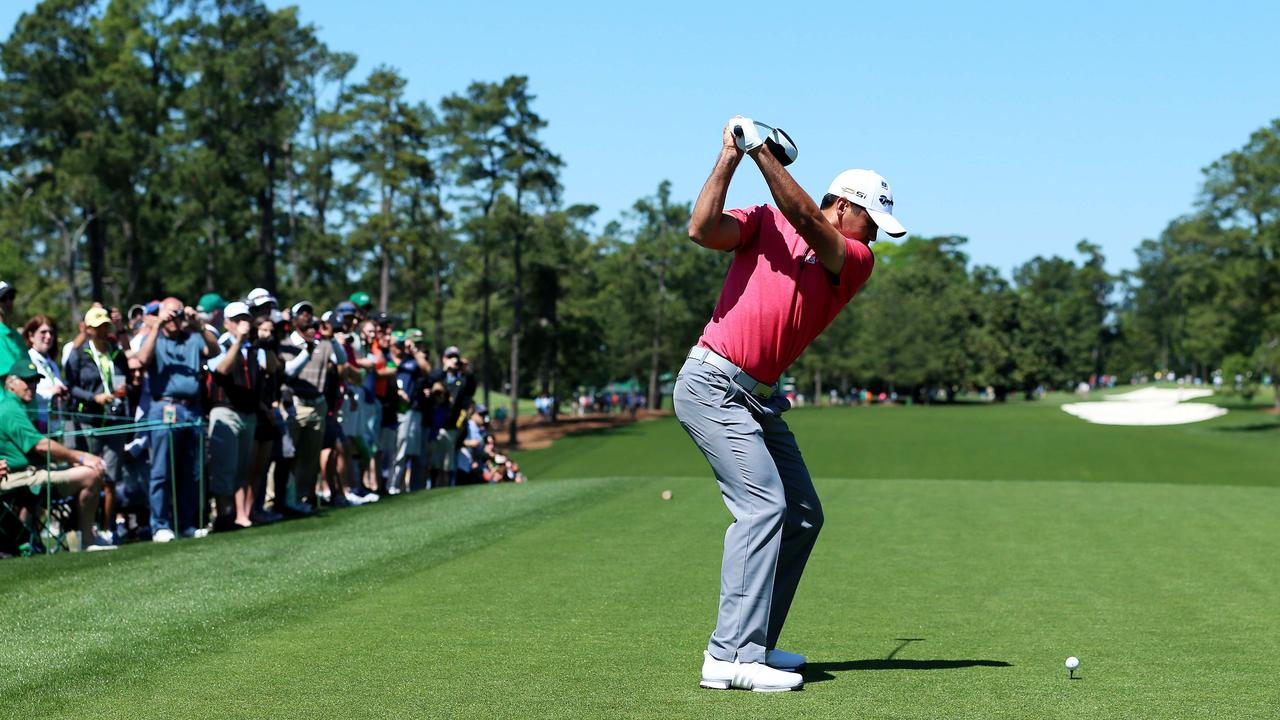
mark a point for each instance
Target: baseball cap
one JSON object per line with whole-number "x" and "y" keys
{"x": 210, "y": 303}
{"x": 382, "y": 318}
{"x": 361, "y": 299}
{"x": 300, "y": 305}
{"x": 258, "y": 297}
{"x": 96, "y": 316}
{"x": 21, "y": 367}
{"x": 328, "y": 316}
{"x": 6, "y": 289}
{"x": 236, "y": 309}
{"x": 867, "y": 189}
{"x": 452, "y": 350}
{"x": 346, "y": 307}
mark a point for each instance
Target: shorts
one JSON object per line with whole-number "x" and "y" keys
{"x": 34, "y": 478}
{"x": 333, "y": 433}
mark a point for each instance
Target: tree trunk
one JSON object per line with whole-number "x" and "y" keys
{"x": 413, "y": 280}
{"x": 267, "y": 230}
{"x": 133, "y": 261}
{"x": 655, "y": 355}
{"x": 97, "y": 256}
{"x": 517, "y": 303}
{"x": 384, "y": 274}
{"x": 486, "y": 361}
{"x": 384, "y": 279}
{"x": 438, "y": 307}
{"x": 210, "y": 256}
{"x": 817, "y": 386}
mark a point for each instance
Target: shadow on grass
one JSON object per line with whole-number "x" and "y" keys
{"x": 821, "y": 672}
{"x": 1272, "y": 426}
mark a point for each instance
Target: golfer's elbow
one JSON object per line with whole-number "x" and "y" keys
{"x": 702, "y": 235}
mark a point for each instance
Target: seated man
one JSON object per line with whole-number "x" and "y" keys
{"x": 20, "y": 439}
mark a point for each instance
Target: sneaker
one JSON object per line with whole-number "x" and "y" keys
{"x": 265, "y": 517}
{"x": 163, "y": 535}
{"x": 196, "y": 533}
{"x": 97, "y": 545}
{"x": 294, "y": 510}
{"x": 105, "y": 538}
{"x": 756, "y": 676}
{"x": 783, "y": 660}
{"x": 354, "y": 499}
{"x": 340, "y": 501}
{"x": 393, "y": 491}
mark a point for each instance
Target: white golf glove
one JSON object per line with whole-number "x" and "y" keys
{"x": 745, "y": 133}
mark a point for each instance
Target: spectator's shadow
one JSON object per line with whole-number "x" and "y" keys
{"x": 822, "y": 671}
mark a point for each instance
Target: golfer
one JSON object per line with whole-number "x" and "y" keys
{"x": 795, "y": 266}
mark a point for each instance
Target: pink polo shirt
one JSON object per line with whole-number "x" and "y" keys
{"x": 777, "y": 297}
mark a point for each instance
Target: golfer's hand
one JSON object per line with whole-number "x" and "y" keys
{"x": 730, "y": 142}
{"x": 750, "y": 139}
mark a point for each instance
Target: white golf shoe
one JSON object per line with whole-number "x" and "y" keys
{"x": 756, "y": 677}
{"x": 783, "y": 660}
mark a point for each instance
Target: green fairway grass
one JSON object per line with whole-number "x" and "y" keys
{"x": 967, "y": 552}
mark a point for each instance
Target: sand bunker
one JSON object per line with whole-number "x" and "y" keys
{"x": 1148, "y": 406}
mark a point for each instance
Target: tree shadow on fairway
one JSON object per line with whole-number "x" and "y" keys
{"x": 1271, "y": 426}
{"x": 821, "y": 671}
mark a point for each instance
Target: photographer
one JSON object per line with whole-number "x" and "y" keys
{"x": 177, "y": 344}
{"x": 235, "y": 395}
{"x": 96, "y": 375}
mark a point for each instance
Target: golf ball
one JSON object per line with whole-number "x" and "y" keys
{"x": 1073, "y": 662}
{"x": 666, "y": 494}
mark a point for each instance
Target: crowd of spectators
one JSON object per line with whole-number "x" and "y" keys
{"x": 172, "y": 420}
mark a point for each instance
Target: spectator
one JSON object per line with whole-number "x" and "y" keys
{"x": 235, "y": 391}
{"x": 41, "y": 335}
{"x": 459, "y": 384}
{"x": 411, "y": 372}
{"x": 177, "y": 344}
{"x": 382, "y": 381}
{"x": 261, "y": 303}
{"x": 97, "y": 375}
{"x": 209, "y": 307}
{"x": 353, "y": 413}
{"x": 19, "y": 439}
{"x": 308, "y": 362}
{"x": 269, "y": 423}
{"x": 363, "y": 305}
{"x": 471, "y": 458}
{"x": 333, "y": 461}
{"x": 10, "y": 349}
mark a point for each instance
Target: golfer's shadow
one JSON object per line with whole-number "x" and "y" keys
{"x": 821, "y": 671}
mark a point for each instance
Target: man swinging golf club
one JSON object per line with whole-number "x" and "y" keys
{"x": 795, "y": 266}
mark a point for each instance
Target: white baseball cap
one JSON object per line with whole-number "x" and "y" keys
{"x": 260, "y": 296}
{"x": 867, "y": 189}
{"x": 235, "y": 310}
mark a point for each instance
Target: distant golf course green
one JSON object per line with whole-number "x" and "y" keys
{"x": 967, "y": 551}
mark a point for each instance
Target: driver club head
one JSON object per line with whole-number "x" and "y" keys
{"x": 777, "y": 140}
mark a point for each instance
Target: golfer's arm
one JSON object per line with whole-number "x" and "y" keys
{"x": 803, "y": 214}
{"x": 709, "y": 226}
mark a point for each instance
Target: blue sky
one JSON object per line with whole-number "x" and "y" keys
{"x": 1022, "y": 126}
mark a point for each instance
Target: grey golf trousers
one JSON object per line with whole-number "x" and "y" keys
{"x": 766, "y": 486}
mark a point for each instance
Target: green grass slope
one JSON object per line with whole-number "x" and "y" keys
{"x": 951, "y": 580}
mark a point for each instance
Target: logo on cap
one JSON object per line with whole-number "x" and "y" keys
{"x": 885, "y": 201}
{"x": 884, "y": 184}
